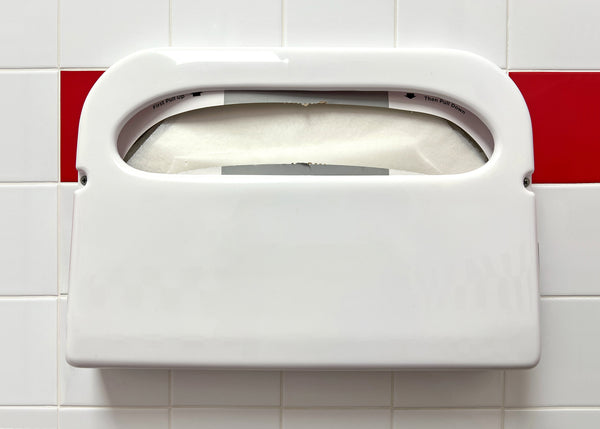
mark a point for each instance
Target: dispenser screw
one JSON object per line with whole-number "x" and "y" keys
{"x": 526, "y": 182}
{"x": 83, "y": 180}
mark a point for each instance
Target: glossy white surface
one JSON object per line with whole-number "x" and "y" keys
{"x": 28, "y": 118}
{"x": 28, "y": 417}
{"x": 569, "y": 237}
{"x": 65, "y": 219}
{"x": 553, "y": 34}
{"x": 552, "y": 419}
{"x": 444, "y": 419}
{"x": 305, "y": 389}
{"x": 336, "y": 419}
{"x": 226, "y": 388}
{"x": 97, "y": 35}
{"x": 28, "y": 358}
{"x": 28, "y": 237}
{"x": 569, "y": 371}
{"x": 448, "y": 389}
{"x": 108, "y": 387}
{"x": 225, "y": 418}
{"x": 472, "y": 25}
{"x": 271, "y": 271}
{"x": 228, "y": 23}
{"x": 28, "y": 33}
{"x": 116, "y": 418}
{"x": 339, "y": 23}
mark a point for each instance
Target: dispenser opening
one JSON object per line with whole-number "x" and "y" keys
{"x": 305, "y": 133}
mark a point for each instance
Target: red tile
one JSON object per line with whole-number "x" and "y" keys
{"x": 565, "y": 113}
{"x": 74, "y": 88}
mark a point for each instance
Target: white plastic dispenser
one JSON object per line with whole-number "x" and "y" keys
{"x": 288, "y": 247}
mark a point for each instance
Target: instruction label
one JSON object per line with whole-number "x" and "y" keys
{"x": 446, "y": 103}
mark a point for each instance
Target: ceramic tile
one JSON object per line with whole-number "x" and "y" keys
{"x": 333, "y": 388}
{"x": 28, "y": 358}
{"x": 225, "y": 418}
{"x": 448, "y": 389}
{"x": 65, "y": 213}
{"x": 339, "y": 23}
{"x": 226, "y": 388}
{"x": 28, "y": 240}
{"x": 552, "y": 419}
{"x": 231, "y": 23}
{"x": 28, "y": 33}
{"x": 444, "y": 419}
{"x": 28, "y": 117}
{"x": 115, "y": 418}
{"x": 98, "y": 34}
{"x": 470, "y": 25}
{"x": 28, "y": 417}
{"x": 569, "y": 238}
{"x": 336, "y": 419}
{"x": 569, "y": 371}
{"x": 553, "y": 34}
{"x": 109, "y": 387}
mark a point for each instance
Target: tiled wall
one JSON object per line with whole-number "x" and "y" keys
{"x": 39, "y": 39}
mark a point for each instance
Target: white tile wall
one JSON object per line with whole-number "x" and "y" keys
{"x": 444, "y": 419}
{"x": 339, "y": 23}
{"x": 552, "y": 419}
{"x": 96, "y": 34}
{"x": 28, "y": 418}
{"x": 36, "y": 389}
{"x": 115, "y": 418}
{"x": 568, "y": 236}
{"x": 28, "y": 33}
{"x": 65, "y": 213}
{"x": 28, "y": 239}
{"x": 343, "y": 388}
{"x": 215, "y": 388}
{"x": 568, "y": 373}
{"x": 336, "y": 419}
{"x": 227, "y": 23}
{"x": 471, "y": 25}
{"x": 29, "y": 122}
{"x": 225, "y": 418}
{"x": 28, "y": 357}
{"x": 553, "y": 34}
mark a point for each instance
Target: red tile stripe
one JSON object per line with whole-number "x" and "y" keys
{"x": 74, "y": 88}
{"x": 564, "y": 111}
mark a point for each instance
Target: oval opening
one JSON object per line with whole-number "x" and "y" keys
{"x": 281, "y": 133}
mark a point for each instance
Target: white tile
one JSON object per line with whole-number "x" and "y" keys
{"x": 28, "y": 33}
{"x": 569, "y": 238}
{"x": 97, "y": 35}
{"x": 471, "y": 25}
{"x": 29, "y": 118}
{"x": 65, "y": 213}
{"x": 28, "y": 358}
{"x": 444, "y": 419}
{"x": 226, "y": 388}
{"x": 109, "y": 387}
{"x": 339, "y": 23}
{"x": 552, "y": 419}
{"x": 28, "y": 417}
{"x": 28, "y": 240}
{"x": 336, "y": 419}
{"x": 225, "y": 418}
{"x": 115, "y": 418}
{"x": 569, "y": 371}
{"x": 553, "y": 34}
{"x": 230, "y": 23}
{"x": 320, "y": 388}
{"x": 448, "y": 389}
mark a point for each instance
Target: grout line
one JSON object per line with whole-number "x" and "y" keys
{"x": 20, "y": 297}
{"x": 396, "y": 9}
{"x": 507, "y": 30}
{"x": 283, "y": 26}
{"x": 27, "y": 69}
{"x": 83, "y": 68}
{"x": 170, "y": 22}
{"x": 58, "y": 345}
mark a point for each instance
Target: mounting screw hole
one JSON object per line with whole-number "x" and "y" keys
{"x": 83, "y": 180}
{"x": 526, "y": 182}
